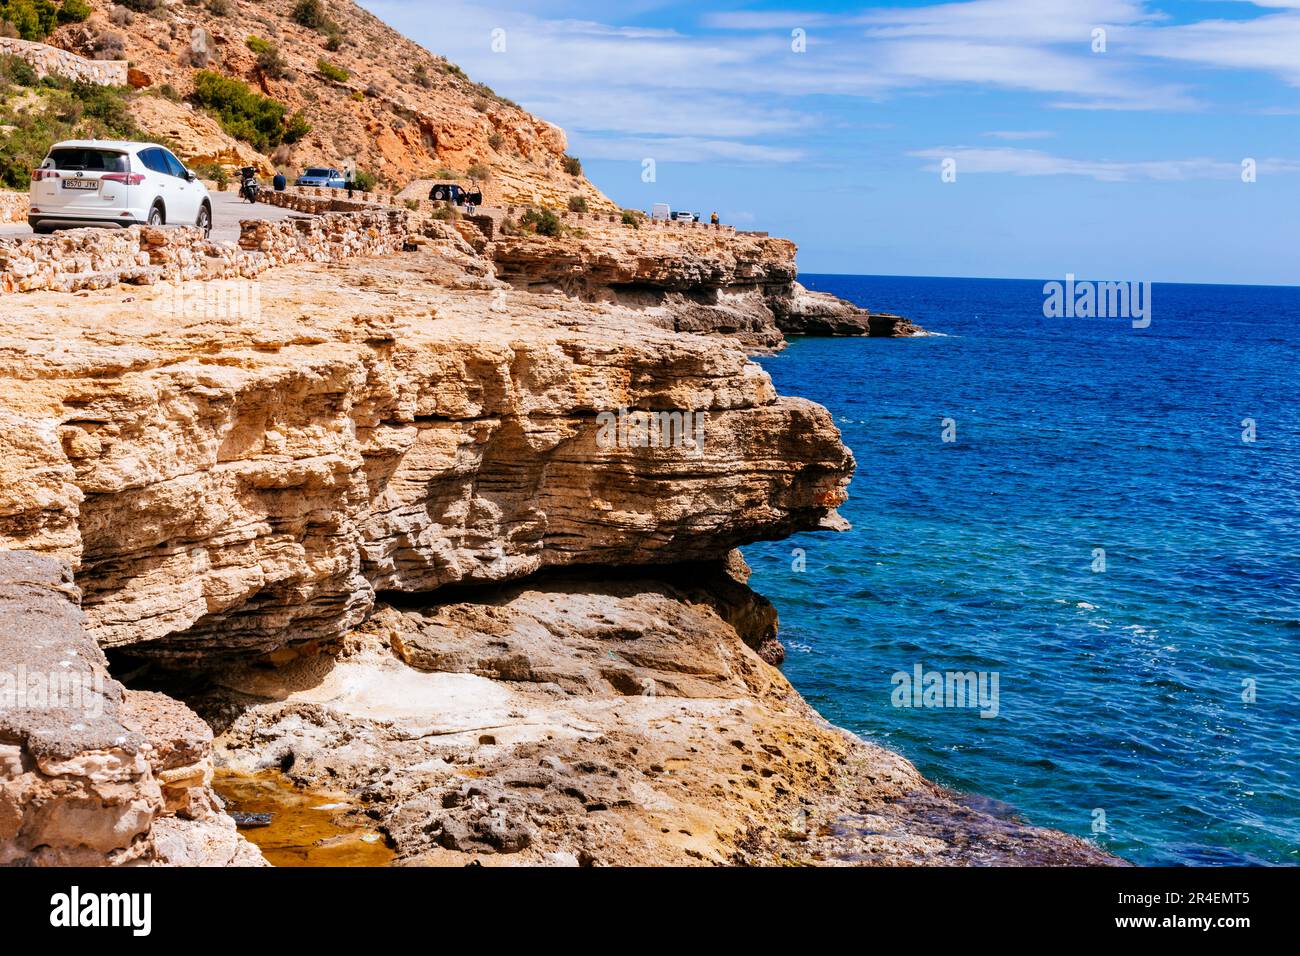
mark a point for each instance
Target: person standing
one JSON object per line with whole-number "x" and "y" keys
{"x": 714, "y": 219}
{"x": 347, "y": 177}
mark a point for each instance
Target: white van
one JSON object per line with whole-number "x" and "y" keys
{"x": 104, "y": 182}
{"x": 661, "y": 211}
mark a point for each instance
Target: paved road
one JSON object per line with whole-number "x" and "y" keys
{"x": 227, "y": 211}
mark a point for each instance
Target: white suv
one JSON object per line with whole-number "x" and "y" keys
{"x": 100, "y": 182}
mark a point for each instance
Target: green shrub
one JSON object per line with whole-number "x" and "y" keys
{"x": 364, "y": 181}
{"x": 496, "y": 141}
{"x": 243, "y": 114}
{"x": 75, "y": 11}
{"x": 577, "y": 203}
{"x": 31, "y": 19}
{"x": 311, "y": 14}
{"x": 72, "y": 111}
{"x": 16, "y": 70}
{"x": 631, "y": 219}
{"x": 218, "y": 8}
{"x": 269, "y": 60}
{"x": 141, "y": 6}
{"x": 479, "y": 171}
{"x": 572, "y": 165}
{"x": 215, "y": 172}
{"x": 331, "y": 72}
{"x": 295, "y": 128}
{"x": 412, "y": 204}
{"x": 541, "y": 221}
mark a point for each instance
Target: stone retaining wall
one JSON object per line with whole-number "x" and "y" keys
{"x": 141, "y": 255}
{"x": 49, "y": 60}
{"x": 13, "y": 207}
{"x": 580, "y": 220}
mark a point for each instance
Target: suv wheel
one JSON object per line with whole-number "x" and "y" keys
{"x": 204, "y": 221}
{"x": 156, "y": 217}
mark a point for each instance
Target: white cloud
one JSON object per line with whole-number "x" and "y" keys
{"x": 685, "y": 149}
{"x": 1031, "y": 162}
{"x": 738, "y": 82}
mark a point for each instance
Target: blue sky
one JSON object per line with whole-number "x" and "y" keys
{"x": 1124, "y": 163}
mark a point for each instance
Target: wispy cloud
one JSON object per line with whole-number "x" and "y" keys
{"x": 733, "y": 90}
{"x": 1031, "y": 162}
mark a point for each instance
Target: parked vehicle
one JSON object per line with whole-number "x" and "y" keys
{"x": 454, "y": 193}
{"x": 248, "y": 184}
{"x": 107, "y": 182}
{"x": 682, "y": 216}
{"x": 326, "y": 177}
{"x": 661, "y": 211}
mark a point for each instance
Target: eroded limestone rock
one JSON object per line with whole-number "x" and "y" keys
{"x": 89, "y": 770}
{"x": 569, "y": 719}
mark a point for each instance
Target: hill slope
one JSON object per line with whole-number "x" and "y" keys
{"x": 392, "y": 108}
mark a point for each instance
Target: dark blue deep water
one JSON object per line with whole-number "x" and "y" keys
{"x": 1119, "y": 690}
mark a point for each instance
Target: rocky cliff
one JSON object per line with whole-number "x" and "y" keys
{"x": 458, "y": 546}
{"x": 239, "y": 483}
{"x": 739, "y": 285}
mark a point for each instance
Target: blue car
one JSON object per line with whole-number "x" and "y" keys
{"x": 319, "y": 176}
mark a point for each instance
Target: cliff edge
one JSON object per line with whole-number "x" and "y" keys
{"x": 459, "y": 546}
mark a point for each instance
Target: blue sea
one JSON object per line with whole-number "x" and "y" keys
{"x": 1148, "y": 692}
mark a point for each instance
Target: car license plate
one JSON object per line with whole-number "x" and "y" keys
{"x": 81, "y": 184}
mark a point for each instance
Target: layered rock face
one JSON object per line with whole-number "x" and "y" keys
{"x": 230, "y": 483}
{"x": 458, "y": 548}
{"x": 734, "y": 284}
{"x": 572, "y": 721}
{"x": 91, "y": 773}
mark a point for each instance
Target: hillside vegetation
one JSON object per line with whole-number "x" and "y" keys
{"x": 323, "y": 82}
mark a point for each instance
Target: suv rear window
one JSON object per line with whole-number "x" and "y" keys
{"x": 91, "y": 160}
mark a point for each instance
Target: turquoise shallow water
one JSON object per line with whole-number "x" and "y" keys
{"x": 1120, "y": 690}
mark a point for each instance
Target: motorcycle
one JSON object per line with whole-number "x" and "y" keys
{"x": 248, "y": 185}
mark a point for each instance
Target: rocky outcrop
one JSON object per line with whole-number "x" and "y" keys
{"x": 573, "y": 721}
{"x": 456, "y": 548}
{"x": 801, "y": 312}
{"x": 739, "y": 285}
{"x": 90, "y": 773}
{"x": 229, "y": 483}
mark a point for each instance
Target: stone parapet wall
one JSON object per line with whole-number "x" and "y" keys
{"x": 142, "y": 255}
{"x": 13, "y": 207}
{"x": 306, "y": 198}
{"x": 49, "y": 60}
